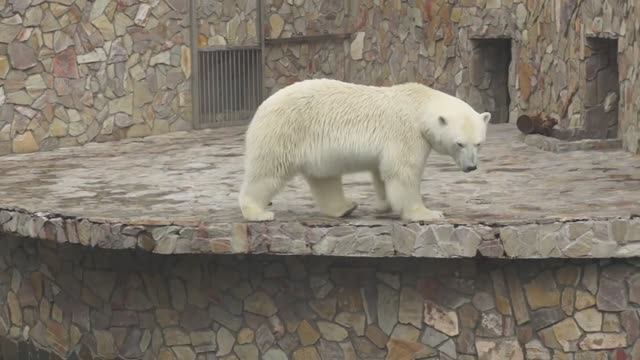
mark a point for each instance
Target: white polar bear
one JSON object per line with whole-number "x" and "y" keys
{"x": 325, "y": 128}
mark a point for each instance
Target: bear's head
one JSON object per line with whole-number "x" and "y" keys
{"x": 459, "y": 132}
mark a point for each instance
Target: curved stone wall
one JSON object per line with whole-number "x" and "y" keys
{"x": 106, "y": 304}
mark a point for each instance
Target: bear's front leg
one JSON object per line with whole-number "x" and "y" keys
{"x": 329, "y": 196}
{"x": 403, "y": 191}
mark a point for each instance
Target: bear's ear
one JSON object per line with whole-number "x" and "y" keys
{"x": 442, "y": 121}
{"x": 486, "y": 117}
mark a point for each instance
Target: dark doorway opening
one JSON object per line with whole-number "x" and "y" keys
{"x": 602, "y": 88}
{"x": 489, "y": 72}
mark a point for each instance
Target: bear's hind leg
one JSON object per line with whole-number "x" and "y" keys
{"x": 382, "y": 204}
{"x": 329, "y": 196}
{"x": 256, "y": 195}
{"x": 404, "y": 196}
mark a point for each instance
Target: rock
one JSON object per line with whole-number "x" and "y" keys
{"x": 4, "y": 66}
{"x": 411, "y": 307}
{"x": 542, "y": 292}
{"x": 15, "y": 311}
{"x": 534, "y": 350}
{"x": 377, "y": 336}
{"x": 307, "y": 334}
{"x": 584, "y": 300}
{"x": 306, "y": 353}
{"x": 332, "y": 332}
{"x": 105, "y": 344}
{"x": 356, "y": 321}
{"x": 518, "y": 301}
{"x": 185, "y": 353}
{"x": 245, "y": 336}
{"x": 357, "y": 46}
{"x": 499, "y": 349}
{"x": 325, "y": 308}
{"x": 432, "y": 337}
{"x": 161, "y": 58}
{"x": 631, "y": 324}
{"x": 567, "y": 334}
{"x": 64, "y": 64}
{"x": 22, "y": 57}
{"x": 329, "y": 350}
{"x": 590, "y": 278}
{"x": 175, "y": 336}
{"x": 448, "y": 348}
{"x": 142, "y": 15}
{"x": 246, "y": 352}
{"x": 590, "y": 320}
{"x": 490, "y": 324}
{"x": 225, "y": 342}
{"x": 441, "y": 319}
{"x": 568, "y": 275}
{"x": 545, "y": 317}
{"x": 202, "y": 338}
{"x": 264, "y": 338}
{"x": 611, "y": 323}
{"x": 612, "y": 295}
{"x": 193, "y": 318}
{"x": 321, "y": 286}
{"x": 387, "y": 308}
{"x": 8, "y": 33}
{"x": 275, "y": 354}
{"x": 568, "y": 300}
{"x": 401, "y": 349}
{"x": 276, "y": 24}
{"x": 97, "y": 55}
{"x": 391, "y": 280}
{"x": 483, "y": 301}
{"x": 260, "y": 303}
{"x": 634, "y": 289}
{"x": 602, "y": 341}
{"x": 25, "y": 143}
{"x": 503, "y": 305}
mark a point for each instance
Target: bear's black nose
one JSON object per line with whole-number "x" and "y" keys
{"x": 469, "y": 169}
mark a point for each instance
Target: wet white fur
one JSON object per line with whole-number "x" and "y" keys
{"x": 322, "y": 129}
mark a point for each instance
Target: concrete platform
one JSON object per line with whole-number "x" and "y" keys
{"x": 177, "y": 193}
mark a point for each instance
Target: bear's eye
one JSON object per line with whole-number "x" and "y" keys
{"x": 460, "y": 144}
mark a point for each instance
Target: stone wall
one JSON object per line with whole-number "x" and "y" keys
{"x": 74, "y": 71}
{"x": 138, "y": 305}
{"x": 433, "y": 42}
{"x": 77, "y": 71}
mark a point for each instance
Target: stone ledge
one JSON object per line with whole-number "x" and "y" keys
{"x": 563, "y": 238}
{"x": 547, "y": 143}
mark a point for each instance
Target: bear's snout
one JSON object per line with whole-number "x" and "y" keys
{"x": 469, "y": 168}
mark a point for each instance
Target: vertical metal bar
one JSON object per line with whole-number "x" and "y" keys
{"x": 225, "y": 94}
{"x": 234, "y": 82}
{"x": 195, "y": 67}
{"x": 262, "y": 45}
{"x": 215, "y": 69}
{"x": 254, "y": 92}
{"x": 210, "y": 84}
{"x": 206, "y": 58}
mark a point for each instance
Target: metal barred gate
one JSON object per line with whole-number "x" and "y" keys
{"x": 229, "y": 85}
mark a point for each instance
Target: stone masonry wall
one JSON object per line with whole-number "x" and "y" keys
{"x": 431, "y": 42}
{"x": 76, "y": 71}
{"x": 108, "y": 304}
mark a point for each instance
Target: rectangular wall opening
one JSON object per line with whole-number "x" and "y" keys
{"x": 602, "y": 88}
{"x": 489, "y": 72}
{"x": 229, "y": 85}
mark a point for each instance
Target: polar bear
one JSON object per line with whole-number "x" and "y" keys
{"x": 323, "y": 128}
